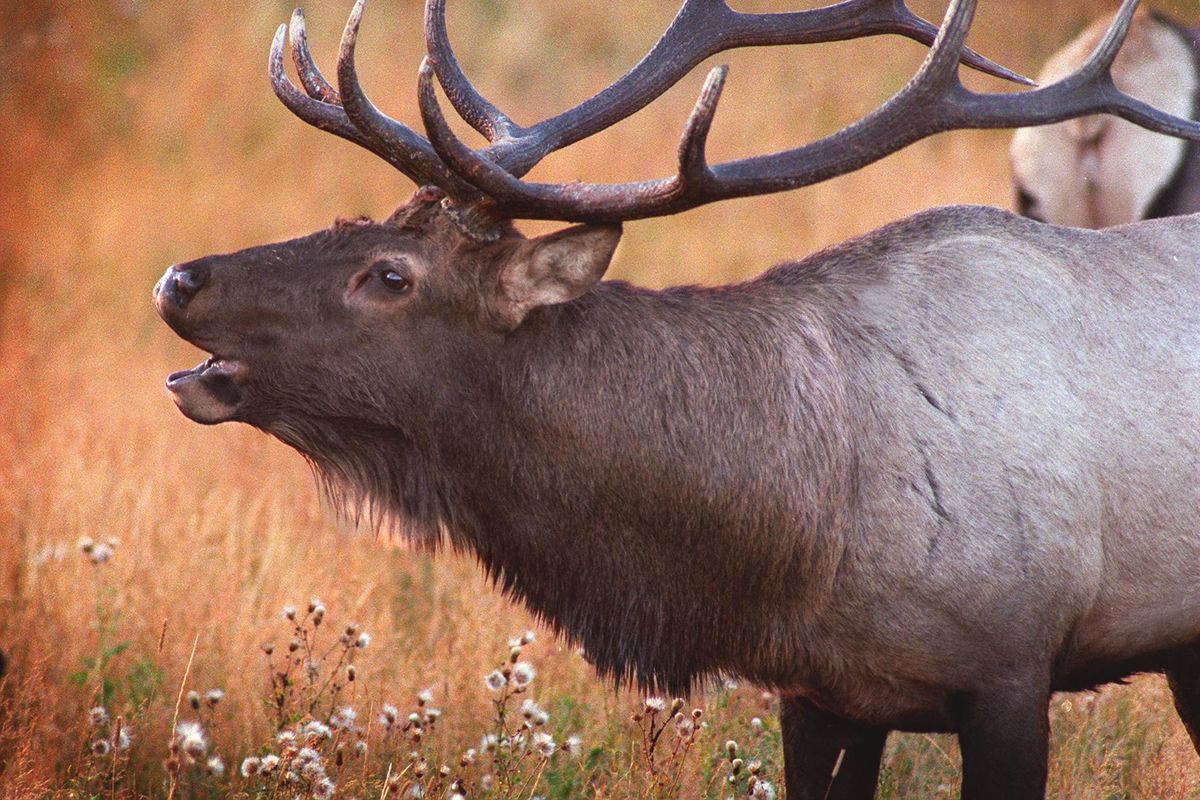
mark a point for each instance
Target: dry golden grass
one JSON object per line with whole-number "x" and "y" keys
{"x": 141, "y": 134}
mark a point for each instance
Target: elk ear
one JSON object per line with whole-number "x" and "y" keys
{"x": 555, "y": 268}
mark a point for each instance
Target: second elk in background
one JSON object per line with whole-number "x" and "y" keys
{"x": 1095, "y": 172}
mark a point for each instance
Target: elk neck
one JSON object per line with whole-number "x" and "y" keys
{"x": 653, "y": 472}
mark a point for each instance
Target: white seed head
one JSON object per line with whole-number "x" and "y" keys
{"x": 100, "y": 553}
{"x": 324, "y": 789}
{"x": 192, "y": 740}
{"x": 86, "y": 543}
{"x": 655, "y": 704}
{"x": 573, "y": 746}
{"x": 495, "y": 680}
{"x": 544, "y": 744}
{"x": 343, "y": 718}
{"x": 523, "y": 674}
{"x": 763, "y": 790}
{"x": 269, "y": 763}
{"x": 388, "y": 715}
{"x": 364, "y": 639}
{"x": 101, "y": 748}
{"x": 424, "y": 697}
{"x": 250, "y": 766}
{"x": 289, "y": 612}
{"x": 123, "y": 738}
{"x": 97, "y": 716}
{"x": 214, "y": 696}
{"x": 308, "y": 755}
{"x": 316, "y": 728}
{"x": 215, "y": 766}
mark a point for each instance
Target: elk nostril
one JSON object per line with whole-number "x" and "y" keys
{"x": 189, "y": 281}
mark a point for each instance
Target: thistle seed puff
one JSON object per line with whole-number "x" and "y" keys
{"x": 250, "y": 766}
{"x": 364, "y": 639}
{"x": 215, "y": 766}
{"x": 97, "y": 716}
{"x": 192, "y": 740}
{"x": 543, "y": 743}
{"x": 86, "y": 544}
{"x": 193, "y": 698}
{"x": 269, "y": 763}
{"x": 214, "y": 696}
{"x": 289, "y": 613}
{"x": 100, "y": 748}
{"x": 573, "y": 746}
{"x": 655, "y": 704}
{"x": 324, "y": 789}
{"x": 495, "y": 680}
{"x": 424, "y": 697}
{"x": 100, "y": 553}
{"x": 317, "y": 729}
{"x": 763, "y": 790}
{"x": 523, "y": 674}
{"x": 756, "y": 725}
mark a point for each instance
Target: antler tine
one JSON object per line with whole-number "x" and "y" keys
{"x": 399, "y": 144}
{"x": 693, "y": 162}
{"x": 473, "y": 107}
{"x": 310, "y": 75}
{"x": 701, "y": 29}
{"x": 319, "y": 114}
{"x": 1090, "y": 90}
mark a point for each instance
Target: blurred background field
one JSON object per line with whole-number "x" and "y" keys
{"x": 139, "y": 134}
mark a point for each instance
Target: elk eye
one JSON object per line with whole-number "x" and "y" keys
{"x": 393, "y": 281}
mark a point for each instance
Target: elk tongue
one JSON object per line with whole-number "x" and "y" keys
{"x": 208, "y": 393}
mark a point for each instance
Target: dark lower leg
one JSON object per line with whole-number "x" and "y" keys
{"x": 1183, "y": 675}
{"x": 1004, "y": 735}
{"x": 816, "y": 767}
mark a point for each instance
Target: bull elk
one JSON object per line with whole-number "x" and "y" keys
{"x": 918, "y": 481}
{"x": 1096, "y": 172}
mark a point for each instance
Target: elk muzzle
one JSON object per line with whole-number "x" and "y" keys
{"x": 210, "y": 392}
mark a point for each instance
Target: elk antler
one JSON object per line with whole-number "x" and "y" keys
{"x": 487, "y": 183}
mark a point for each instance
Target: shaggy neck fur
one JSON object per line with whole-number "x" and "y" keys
{"x": 663, "y": 477}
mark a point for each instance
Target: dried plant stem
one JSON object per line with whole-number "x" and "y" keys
{"x": 187, "y": 671}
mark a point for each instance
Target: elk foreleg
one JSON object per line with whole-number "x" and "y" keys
{"x": 816, "y": 766}
{"x": 1004, "y": 735}
{"x": 1183, "y": 675}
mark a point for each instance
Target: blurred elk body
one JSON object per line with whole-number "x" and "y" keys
{"x": 1099, "y": 171}
{"x": 918, "y": 481}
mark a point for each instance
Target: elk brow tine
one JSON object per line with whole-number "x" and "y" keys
{"x": 320, "y": 115}
{"x": 405, "y": 149}
{"x": 693, "y": 163}
{"x": 473, "y": 107}
{"x": 306, "y": 68}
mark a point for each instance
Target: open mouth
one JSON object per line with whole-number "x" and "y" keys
{"x": 210, "y": 392}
